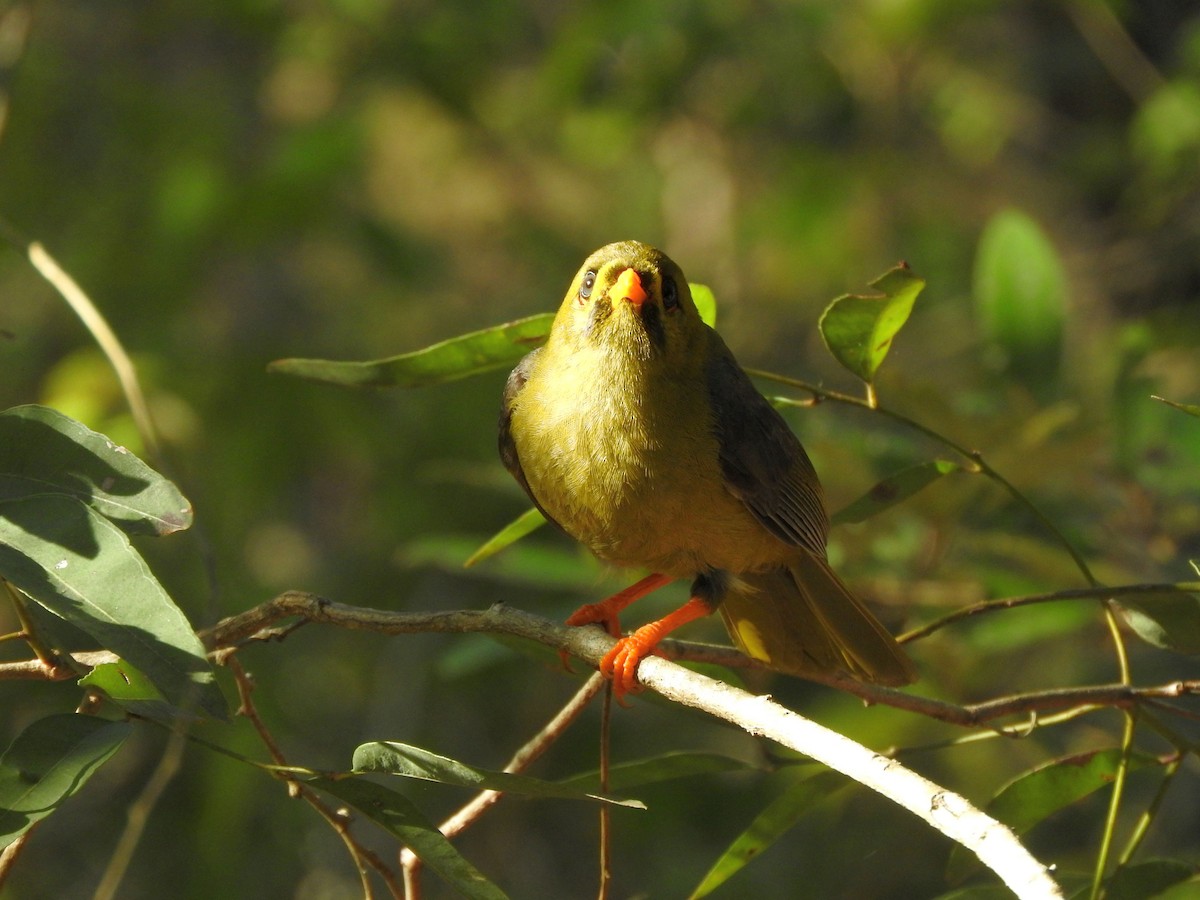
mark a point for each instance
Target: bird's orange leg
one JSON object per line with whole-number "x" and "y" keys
{"x": 606, "y": 611}
{"x": 621, "y": 662}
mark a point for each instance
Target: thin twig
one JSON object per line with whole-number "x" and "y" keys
{"x": 529, "y": 752}
{"x": 359, "y": 855}
{"x": 1087, "y": 593}
{"x": 605, "y": 816}
{"x": 138, "y": 815}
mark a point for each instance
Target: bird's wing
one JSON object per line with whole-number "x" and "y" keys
{"x": 508, "y": 447}
{"x": 762, "y": 461}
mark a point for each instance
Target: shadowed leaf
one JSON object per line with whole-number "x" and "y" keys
{"x": 1040, "y": 792}
{"x": 1188, "y": 408}
{"x": 48, "y": 762}
{"x": 81, "y": 567}
{"x": 43, "y": 452}
{"x": 396, "y": 814}
{"x": 768, "y": 826}
{"x": 393, "y": 758}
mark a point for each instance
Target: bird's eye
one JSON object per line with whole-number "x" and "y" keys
{"x": 585, "y": 289}
{"x": 670, "y": 295}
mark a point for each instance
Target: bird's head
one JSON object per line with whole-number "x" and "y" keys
{"x": 631, "y": 299}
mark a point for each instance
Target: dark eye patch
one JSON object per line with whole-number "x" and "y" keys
{"x": 670, "y": 294}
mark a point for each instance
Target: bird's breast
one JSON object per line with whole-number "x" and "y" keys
{"x": 628, "y": 465}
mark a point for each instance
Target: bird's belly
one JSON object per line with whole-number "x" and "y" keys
{"x": 635, "y": 500}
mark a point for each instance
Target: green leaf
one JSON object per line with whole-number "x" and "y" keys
{"x": 397, "y": 814}
{"x": 667, "y": 767}
{"x": 1021, "y": 293}
{"x": 526, "y": 523}
{"x": 460, "y": 357}
{"x": 130, "y": 689}
{"x": 81, "y": 567}
{"x": 706, "y": 304}
{"x": 393, "y": 758}
{"x": 1167, "y": 620}
{"x": 1182, "y": 407}
{"x": 768, "y": 826}
{"x": 48, "y": 762}
{"x": 858, "y": 329}
{"x": 1036, "y": 794}
{"x": 42, "y": 451}
{"x": 1147, "y": 879}
{"x": 893, "y": 490}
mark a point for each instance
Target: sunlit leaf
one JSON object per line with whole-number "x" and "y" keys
{"x": 460, "y": 357}
{"x": 131, "y": 690}
{"x": 706, "y": 303}
{"x": 858, "y": 329}
{"x": 526, "y": 523}
{"x": 893, "y": 490}
{"x": 667, "y": 767}
{"x": 397, "y": 814}
{"x": 81, "y": 567}
{"x": 393, "y": 758}
{"x": 48, "y": 762}
{"x": 1021, "y": 293}
{"x": 1188, "y": 408}
{"x": 768, "y": 826}
{"x": 1036, "y": 794}
{"x": 1167, "y": 620}
{"x": 42, "y": 451}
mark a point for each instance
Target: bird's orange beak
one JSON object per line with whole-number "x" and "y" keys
{"x": 629, "y": 288}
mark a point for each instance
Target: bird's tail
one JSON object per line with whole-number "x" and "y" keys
{"x": 801, "y": 619}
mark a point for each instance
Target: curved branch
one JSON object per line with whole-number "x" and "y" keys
{"x": 951, "y": 814}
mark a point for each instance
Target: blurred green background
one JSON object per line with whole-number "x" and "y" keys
{"x": 239, "y": 181}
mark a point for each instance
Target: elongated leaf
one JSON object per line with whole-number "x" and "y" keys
{"x": 1031, "y": 797}
{"x": 768, "y": 826}
{"x": 460, "y": 357}
{"x": 1148, "y": 879}
{"x": 393, "y": 758}
{"x": 81, "y": 567}
{"x": 666, "y": 767}
{"x": 893, "y": 490}
{"x": 397, "y": 814}
{"x": 42, "y": 451}
{"x": 858, "y": 329}
{"x": 48, "y": 762}
{"x": 1021, "y": 293}
{"x": 706, "y": 304}
{"x": 1167, "y": 620}
{"x": 1188, "y": 408}
{"x": 529, "y": 521}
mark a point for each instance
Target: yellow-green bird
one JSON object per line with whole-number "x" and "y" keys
{"x": 635, "y": 431}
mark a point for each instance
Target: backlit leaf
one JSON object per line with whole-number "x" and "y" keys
{"x": 1167, "y": 620}
{"x": 526, "y": 523}
{"x": 893, "y": 490}
{"x": 859, "y": 329}
{"x": 706, "y": 304}
{"x": 459, "y": 357}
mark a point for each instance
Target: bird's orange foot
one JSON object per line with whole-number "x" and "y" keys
{"x": 621, "y": 662}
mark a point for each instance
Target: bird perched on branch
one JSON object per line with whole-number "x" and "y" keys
{"x": 635, "y": 431}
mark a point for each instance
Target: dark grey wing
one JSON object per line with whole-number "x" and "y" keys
{"x": 762, "y": 461}
{"x": 508, "y": 447}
